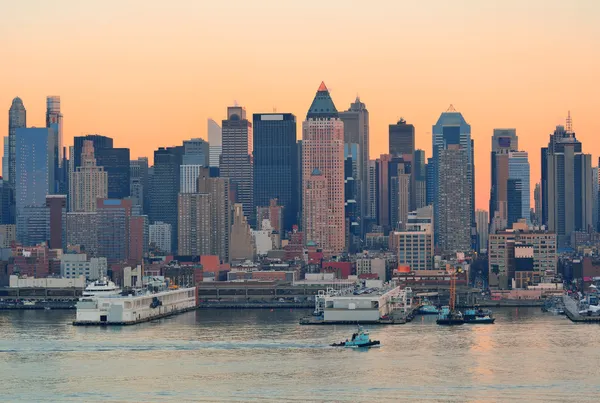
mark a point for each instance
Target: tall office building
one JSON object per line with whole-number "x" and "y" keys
{"x": 323, "y": 153}
{"x": 595, "y": 199}
{"x": 392, "y": 189}
{"x": 57, "y": 215}
{"x": 430, "y": 182}
{"x": 504, "y": 141}
{"x": 482, "y": 221}
{"x": 34, "y": 166}
{"x": 54, "y": 120}
{"x": 351, "y": 179}
{"x": 195, "y": 152}
{"x": 33, "y": 225}
{"x": 537, "y": 196}
{"x": 401, "y": 138}
{"x": 164, "y": 187}
{"x": 7, "y": 203}
{"x": 419, "y": 181}
{"x": 5, "y": 158}
{"x": 276, "y": 164}
{"x": 188, "y": 178}
{"x": 356, "y": 131}
{"x": 452, "y": 130}
{"x": 518, "y": 171}
{"x": 214, "y": 142}
{"x": 194, "y": 224}
{"x": 236, "y": 158}
{"x": 454, "y": 205}
{"x": 373, "y": 191}
{"x": 17, "y": 118}
{"x": 115, "y": 162}
{"x": 113, "y": 228}
{"x": 88, "y": 183}
{"x": 569, "y": 185}
{"x": 139, "y": 184}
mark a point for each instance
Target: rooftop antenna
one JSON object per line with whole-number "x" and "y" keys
{"x": 451, "y": 108}
{"x": 235, "y": 103}
{"x": 569, "y": 123}
{"x": 274, "y": 109}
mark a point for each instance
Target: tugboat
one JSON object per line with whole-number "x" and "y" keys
{"x": 449, "y": 317}
{"x": 360, "y": 339}
{"x": 479, "y": 316}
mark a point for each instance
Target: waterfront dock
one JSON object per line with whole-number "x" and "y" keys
{"x": 132, "y": 322}
{"x": 572, "y": 312}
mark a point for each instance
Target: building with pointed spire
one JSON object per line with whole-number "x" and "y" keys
{"x": 17, "y": 118}
{"x": 54, "y": 120}
{"x": 323, "y": 155}
{"x": 567, "y": 185}
{"x": 88, "y": 183}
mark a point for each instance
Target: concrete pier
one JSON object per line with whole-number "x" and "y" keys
{"x": 572, "y": 312}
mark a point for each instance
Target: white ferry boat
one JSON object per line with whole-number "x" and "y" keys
{"x": 101, "y": 287}
{"x": 136, "y": 306}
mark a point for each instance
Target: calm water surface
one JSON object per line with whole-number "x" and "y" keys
{"x": 264, "y": 356}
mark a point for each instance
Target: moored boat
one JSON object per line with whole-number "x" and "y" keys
{"x": 448, "y": 317}
{"x": 360, "y": 339}
{"x": 428, "y": 309}
{"x": 483, "y": 316}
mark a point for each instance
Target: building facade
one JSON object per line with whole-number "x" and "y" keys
{"x": 88, "y": 183}
{"x": 214, "y": 141}
{"x": 414, "y": 246}
{"x": 113, "y": 229}
{"x": 401, "y": 138}
{"x": 276, "y": 164}
{"x": 236, "y": 158}
{"x": 160, "y": 237}
{"x": 194, "y": 224}
{"x": 17, "y": 118}
{"x": 323, "y": 153}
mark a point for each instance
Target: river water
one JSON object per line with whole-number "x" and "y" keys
{"x": 265, "y": 356}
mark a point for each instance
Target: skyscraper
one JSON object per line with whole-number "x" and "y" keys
{"x": 401, "y": 138}
{"x": 569, "y": 185}
{"x": 5, "y": 158}
{"x": 351, "y": 179}
{"x": 220, "y": 212}
{"x": 139, "y": 183}
{"x": 275, "y": 163}
{"x": 419, "y": 184}
{"x": 160, "y": 237}
{"x": 115, "y": 162}
{"x": 454, "y": 208}
{"x": 34, "y": 166}
{"x": 88, "y": 183}
{"x": 164, "y": 187}
{"x": 196, "y": 152}
{"x": 452, "y": 129}
{"x": 595, "y": 194}
{"x": 503, "y": 142}
{"x": 518, "y": 169}
{"x": 188, "y": 178}
{"x": 54, "y": 120}
{"x": 17, "y": 118}
{"x": 236, "y": 158}
{"x": 214, "y": 141}
{"x": 537, "y": 196}
{"x": 373, "y": 191}
{"x": 323, "y": 153}
{"x": 482, "y": 220}
{"x": 7, "y": 203}
{"x": 241, "y": 241}
{"x": 356, "y": 131}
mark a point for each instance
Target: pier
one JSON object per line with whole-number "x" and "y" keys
{"x": 572, "y": 312}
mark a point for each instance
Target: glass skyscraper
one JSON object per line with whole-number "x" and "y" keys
{"x": 276, "y": 163}
{"x": 518, "y": 169}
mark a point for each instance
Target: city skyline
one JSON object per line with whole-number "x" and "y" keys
{"x": 479, "y": 75}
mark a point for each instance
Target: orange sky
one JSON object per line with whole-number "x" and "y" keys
{"x": 149, "y": 73}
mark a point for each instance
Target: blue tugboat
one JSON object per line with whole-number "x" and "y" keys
{"x": 360, "y": 339}
{"x": 479, "y": 316}
{"x": 449, "y": 317}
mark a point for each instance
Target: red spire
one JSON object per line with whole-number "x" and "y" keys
{"x": 322, "y": 87}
